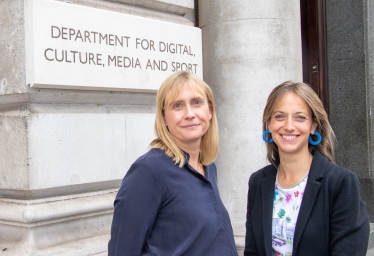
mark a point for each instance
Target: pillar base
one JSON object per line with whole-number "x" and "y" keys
{"x": 66, "y": 225}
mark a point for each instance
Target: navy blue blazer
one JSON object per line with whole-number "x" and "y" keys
{"x": 332, "y": 218}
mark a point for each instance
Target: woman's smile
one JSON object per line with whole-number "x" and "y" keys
{"x": 289, "y": 137}
{"x": 190, "y": 125}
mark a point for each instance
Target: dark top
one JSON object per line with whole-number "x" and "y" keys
{"x": 332, "y": 218}
{"x": 165, "y": 210}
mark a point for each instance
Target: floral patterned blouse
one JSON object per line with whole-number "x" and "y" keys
{"x": 286, "y": 206}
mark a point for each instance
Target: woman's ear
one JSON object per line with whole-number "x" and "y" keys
{"x": 267, "y": 125}
{"x": 165, "y": 122}
{"x": 314, "y": 127}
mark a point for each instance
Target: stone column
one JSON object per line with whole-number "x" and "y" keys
{"x": 249, "y": 47}
{"x": 63, "y": 153}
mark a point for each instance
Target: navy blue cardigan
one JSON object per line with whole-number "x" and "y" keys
{"x": 165, "y": 210}
{"x": 332, "y": 218}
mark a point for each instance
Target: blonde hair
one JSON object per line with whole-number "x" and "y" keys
{"x": 319, "y": 115}
{"x": 168, "y": 92}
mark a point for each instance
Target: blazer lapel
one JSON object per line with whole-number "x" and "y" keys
{"x": 310, "y": 194}
{"x": 267, "y": 196}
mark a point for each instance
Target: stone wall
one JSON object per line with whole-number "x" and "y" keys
{"x": 350, "y": 81}
{"x": 63, "y": 153}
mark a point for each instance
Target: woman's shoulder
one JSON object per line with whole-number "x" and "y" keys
{"x": 333, "y": 172}
{"x": 337, "y": 172}
{"x": 267, "y": 170}
{"x": 151, "y": 162}
{"x": 321, "y": 163}
{"x": 211, "y": 170}
{"x": 153, "y": 156}
{"x": 212, "y": 166}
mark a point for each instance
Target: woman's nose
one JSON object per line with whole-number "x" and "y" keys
{"x": 189, "y": 112}
{"x": 289, "y": 124}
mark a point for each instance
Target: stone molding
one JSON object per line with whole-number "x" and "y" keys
{"x": 55, "y": 209}
{"x": 166, "y": 10}
{"x": 66, "y": 225}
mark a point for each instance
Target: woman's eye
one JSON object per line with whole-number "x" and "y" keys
{"x": 177, "y": 105}
{"x": 197, "y": 102}
{"x": 300, "y": 117}
{"x": 279, "y": 116}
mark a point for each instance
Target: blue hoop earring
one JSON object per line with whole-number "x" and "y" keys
{"x": 318, "y": 141}
{"x": 264, "y": 137}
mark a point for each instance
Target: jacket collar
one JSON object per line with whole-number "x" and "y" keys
{"x": 267, "y": 196}
{"x": 316, "y": 173}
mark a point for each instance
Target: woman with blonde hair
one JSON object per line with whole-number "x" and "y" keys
{"x": 168, "y": 203}
{"x": 302, "y": 203}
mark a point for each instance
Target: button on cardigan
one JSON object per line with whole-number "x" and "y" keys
{"x": 165, "y": 210}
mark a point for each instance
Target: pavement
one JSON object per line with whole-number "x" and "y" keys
{"x": 370, "y": 252}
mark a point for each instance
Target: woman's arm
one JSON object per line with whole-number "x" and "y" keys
{"x": 349, "y": 224}
{"x": 135, "y": 211}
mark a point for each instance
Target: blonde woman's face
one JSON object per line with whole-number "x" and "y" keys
{"x": 188, "y": 117}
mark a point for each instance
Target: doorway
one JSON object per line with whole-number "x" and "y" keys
{"x": 314, "y": 47}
